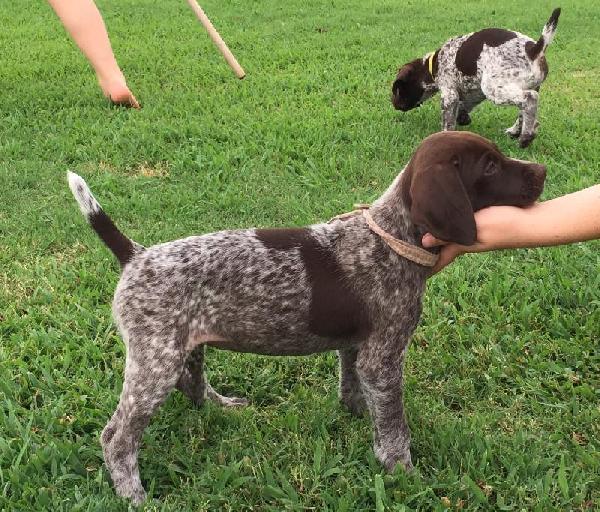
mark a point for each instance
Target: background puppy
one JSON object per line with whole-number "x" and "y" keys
{"x": 503, "y": 66}
{"x": 296, "y": 291}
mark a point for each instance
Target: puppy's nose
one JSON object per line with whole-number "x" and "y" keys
{"x": 537, "y": 172}
{"x": 541, "y": 169}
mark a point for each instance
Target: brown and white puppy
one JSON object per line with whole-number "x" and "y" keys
{"x": 503, "y": 66}
{"x": 332, "y": 286}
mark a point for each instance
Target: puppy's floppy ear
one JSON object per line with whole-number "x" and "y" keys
{"x": 398, "y": 90}
{"x": 400, "y": 85}
{"x": 441, "y": 204}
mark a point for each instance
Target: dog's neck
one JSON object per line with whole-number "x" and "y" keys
{"x": 392, "y": 213}
{"x": 430, "y": 62}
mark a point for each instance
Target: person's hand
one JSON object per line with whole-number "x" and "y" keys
{"x": 448, "y": 253}
{"x": 494, "y": 227}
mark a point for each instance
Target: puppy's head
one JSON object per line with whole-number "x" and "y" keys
{"x": 413, "y": 85}
{"x": 453, "y": 174}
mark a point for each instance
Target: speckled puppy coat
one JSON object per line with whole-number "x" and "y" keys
{"x": 503, "y": 66}
{"x": 296, "y": 291}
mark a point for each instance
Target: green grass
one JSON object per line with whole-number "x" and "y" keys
{"x": 503, "y": 375}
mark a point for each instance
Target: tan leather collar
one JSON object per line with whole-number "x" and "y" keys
{"x": 409, "y": 251}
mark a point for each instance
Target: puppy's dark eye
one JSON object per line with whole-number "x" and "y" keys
{"x": 490, "y": 169}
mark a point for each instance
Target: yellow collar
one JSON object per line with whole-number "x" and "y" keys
{"x": 430, "y": 57}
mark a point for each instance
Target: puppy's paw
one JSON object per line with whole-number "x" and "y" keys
{"x": 392, "y": 458}
{"x": 232, "y": 401}
{"x": 526, "y": 140}
{"x": 513, "y": 132}
{"x": 138, "y": 497}
{"x": 224, "y": 401}
{"x": 132, "y": 491}
{"x": 463, "y": 119}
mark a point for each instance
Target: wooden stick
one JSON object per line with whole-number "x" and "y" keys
{"x": 219, "y": 43}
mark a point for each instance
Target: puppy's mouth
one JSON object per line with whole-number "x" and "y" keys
{"x": 402, "y": 104}
{"x": 403, "y": 107}
{"x": 406, "y": 108}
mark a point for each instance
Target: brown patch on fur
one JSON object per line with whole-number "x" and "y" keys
{"x": 543, "y": 67}
{"x": 282, "y": 239}
{"x": 531, "y": 49}
{"x": 470, "y": 50}
{"x": 335, "y": 310}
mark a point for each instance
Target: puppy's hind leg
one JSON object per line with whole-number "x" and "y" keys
{"x": 151, "y": 372}
{"x": 351, "y": 394}
{"x": 192, "y": 382}
{"x": 526, "y": 100}
{"x": 529, "y": 109}
{"x": 515, "y": 130}
{"x": 195, "y": 386}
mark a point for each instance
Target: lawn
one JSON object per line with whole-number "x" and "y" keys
{"x": 503, "y": 375}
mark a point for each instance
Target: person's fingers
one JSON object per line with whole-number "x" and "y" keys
{"x": 447, "y": 255}
{"x": 116, "y": 90}
{"x": 429, "y": 241}
{"x": 125, "y": 100}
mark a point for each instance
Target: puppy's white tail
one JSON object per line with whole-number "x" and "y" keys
{"x": 536, "y": 49}
{"x": 121, "y": 246}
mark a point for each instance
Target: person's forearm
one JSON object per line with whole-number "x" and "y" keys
{"x": 84, "y": 23}
{"x": 571, "y": 218}
{"x": 564, "y": 220}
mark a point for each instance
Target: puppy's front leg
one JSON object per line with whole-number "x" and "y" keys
{"x": 380, "y": 366}
{"x": 466, "y": 105}
{"x": 450, "y": 103}
{"x": 351, "y": 394}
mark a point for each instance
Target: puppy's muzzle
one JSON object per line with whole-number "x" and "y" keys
{"x": 533, "y": 183}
